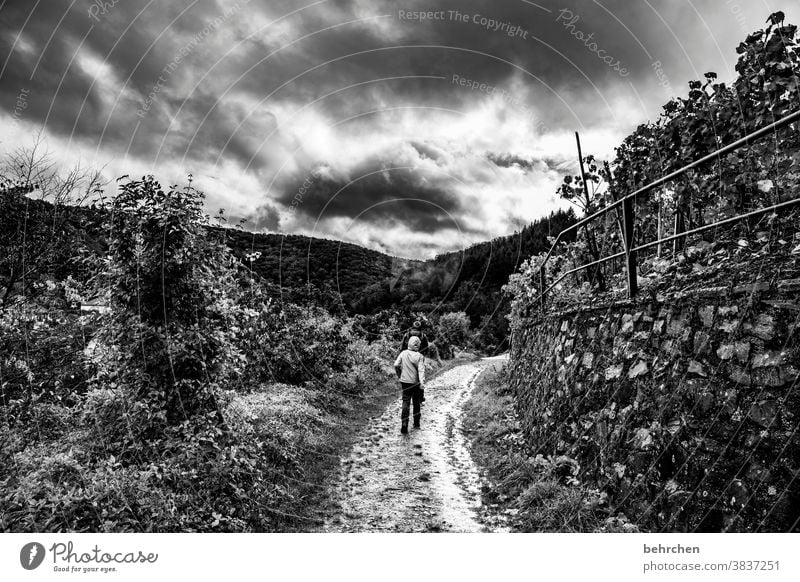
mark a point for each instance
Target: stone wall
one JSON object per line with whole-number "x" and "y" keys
{"x": 683, "y": 411}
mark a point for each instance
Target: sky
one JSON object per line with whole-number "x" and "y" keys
{"x": 413, "y": 128}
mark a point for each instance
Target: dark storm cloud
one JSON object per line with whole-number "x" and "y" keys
{"x": 555, "y": 65}
{"x": 265, "y": 218}
{"x": 267, "y": 87}
{"x": 375, "y": 193}
{"x": 552, "y": 57}
{"x": 527, "y": 164}
{"x": 132, "y": 45}
{"x": 205, "y": 125}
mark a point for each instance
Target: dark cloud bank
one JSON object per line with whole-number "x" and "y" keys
{"x": 258, "y": 94}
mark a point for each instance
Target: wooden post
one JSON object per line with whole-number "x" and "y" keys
{"x": 542, "y": 283}
{"x": 583, "y": 172}
{"x": 630, "y": 255}
{"x": 597, "y": 277}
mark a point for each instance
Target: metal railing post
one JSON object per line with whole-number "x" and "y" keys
{"x": 630, "y": 254}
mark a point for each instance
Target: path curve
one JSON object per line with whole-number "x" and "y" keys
{"x": 421, "y": 482}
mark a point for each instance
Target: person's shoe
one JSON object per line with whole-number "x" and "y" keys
{"x": 404, "y": 429}
{"x": 416, "y": 424}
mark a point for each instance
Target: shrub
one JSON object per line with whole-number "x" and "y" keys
{"x": 169, "y": 285}
{"x": 293, "y": 345}
{"x": 452, "y": 330}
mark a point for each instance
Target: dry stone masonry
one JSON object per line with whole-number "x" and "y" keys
{"x": 683, "y": 411}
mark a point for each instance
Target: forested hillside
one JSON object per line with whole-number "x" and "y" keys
{"x": 341, "y": 277}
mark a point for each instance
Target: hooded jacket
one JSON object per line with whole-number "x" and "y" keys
{"x": 411, "y": 364}
{"x": 416, "y": 332}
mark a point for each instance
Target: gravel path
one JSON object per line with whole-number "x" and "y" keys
{"x": 423, "y": 481}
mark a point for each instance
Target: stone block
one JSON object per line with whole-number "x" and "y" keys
{"x": 670, "y": 347}
{"x": 762, "y": 327}
{"x": 613, "y": 372}
{"x": 630, "y": 351}
{"x": 642, "y": 439}
{"x": 764, "y": 413}
{"x": 774, "y": 376}
{"x": 627, "y": 324}
{"x": 706, "y": 315}
{"x": 725, "y": 351}
{"x": 639, "y": 369}
{"x": 588, "y": 360}
{"x": 728, "y": 310}
{"x": 677, "y": 326}
{"x": 768, "y": 359}
{"x": 738, "y": 375}
{"x": 729, "y": 326}
{"x": 697, "y": 369}
{"x": 742, "y": 351}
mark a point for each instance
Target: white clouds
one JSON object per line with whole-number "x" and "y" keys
{"x": 105, "y": 82}
{"x": 341, "y": 96}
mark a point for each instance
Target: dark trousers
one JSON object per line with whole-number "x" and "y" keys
{"x": 411, "y": 393}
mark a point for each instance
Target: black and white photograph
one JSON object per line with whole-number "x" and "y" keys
{"x": 499, "y": 270}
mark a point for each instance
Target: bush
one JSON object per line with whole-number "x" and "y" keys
{"x": 367, "y": 366}
{"x": 294, "y": 345}
{"x": 454, "y": 328}
{"x": 199, "y": 484}
{"x": 41, "y": 356}
{"x": 170, "y": 288}
{"x": 451, "y": 331}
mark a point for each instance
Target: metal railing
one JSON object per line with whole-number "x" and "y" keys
{"x": 629, "y": 218}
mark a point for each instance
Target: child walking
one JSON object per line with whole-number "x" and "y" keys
{"x": 410, "y": 369}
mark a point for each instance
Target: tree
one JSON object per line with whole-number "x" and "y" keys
{"x": 34, "y": 217}
{"x": 453, "y": 328}
{"x": 169, "y": 283}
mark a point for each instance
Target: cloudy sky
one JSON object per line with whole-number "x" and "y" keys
{"x": 408, "y": 127}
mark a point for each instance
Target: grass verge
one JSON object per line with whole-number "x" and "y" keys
{"x": 527, "y": 492}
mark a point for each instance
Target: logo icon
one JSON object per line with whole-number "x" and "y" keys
{"x": 31, "y": 555}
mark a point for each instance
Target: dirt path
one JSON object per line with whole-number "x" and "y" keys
{"x": 423, "y": 481}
